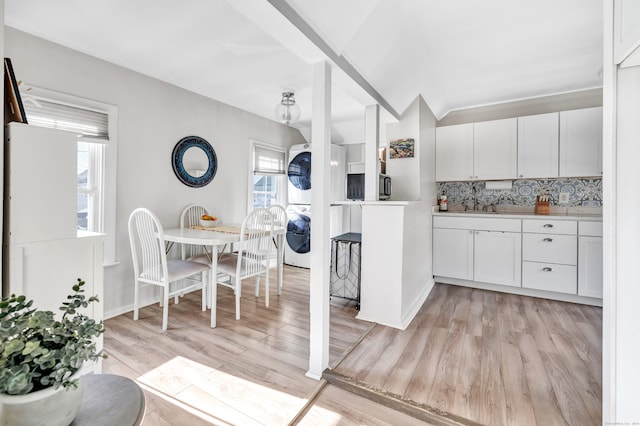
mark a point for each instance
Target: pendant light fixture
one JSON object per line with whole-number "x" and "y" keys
{"x": 287, "y": 111}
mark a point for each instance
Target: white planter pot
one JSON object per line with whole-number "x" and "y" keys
{"x": 47, "y": 407}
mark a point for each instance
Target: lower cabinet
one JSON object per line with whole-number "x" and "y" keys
{"x": 487, "y": 256}
{"x": 554, "y": 256}
{"x": 453, "y": 253}
{"x": 497, "y": 258}
{"x": 590, "y": 266}
{"x": 549, "y": 277}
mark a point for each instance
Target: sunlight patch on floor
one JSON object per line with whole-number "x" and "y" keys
{"x": 224, "y": 396}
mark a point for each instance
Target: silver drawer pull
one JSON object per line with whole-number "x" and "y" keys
{"x": 547, "y": 269}
{"x": 547, "y": 240}
{"x": 547, "y": 225}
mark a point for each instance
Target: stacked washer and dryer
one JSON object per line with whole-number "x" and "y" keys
{"x": 297, "y": 251}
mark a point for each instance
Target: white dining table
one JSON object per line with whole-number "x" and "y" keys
{"x": 215, "y": 239}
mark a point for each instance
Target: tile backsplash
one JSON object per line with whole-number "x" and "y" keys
{"x": 583, "y": 192}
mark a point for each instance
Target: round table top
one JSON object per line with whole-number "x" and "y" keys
{"x": 110, "y": 400}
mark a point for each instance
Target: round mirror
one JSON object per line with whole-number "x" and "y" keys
{"x": 194, "y": 161}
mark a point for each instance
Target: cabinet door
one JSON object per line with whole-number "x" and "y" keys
{"x": 453, "y": 253}
{"x": 590, "y": 266}
{"x": 538, "y": 146}
{"x": 41, "y": 183}
{"x": 581, "y": 142}
{"x": 497, "y": 258}
{"x": 495, "y": 149}
{"x": 454, "y": 152}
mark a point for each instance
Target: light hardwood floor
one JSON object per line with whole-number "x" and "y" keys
{"x": 491, "y": 358}
{"x": 487, "y": 357}
{"x": 245, "y": 372}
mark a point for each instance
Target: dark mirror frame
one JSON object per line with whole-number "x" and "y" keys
{"x": 178, "y": 166}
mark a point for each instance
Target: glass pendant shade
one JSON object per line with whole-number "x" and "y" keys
{"x": 287, "y": 111}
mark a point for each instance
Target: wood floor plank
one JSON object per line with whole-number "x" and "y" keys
{"x": 519, "y": 409}
{"x": 573, "y": 409}
{"x": 543, "y": 397}
{"x": 467, "y": 398}
{"x": 493, "y": 406}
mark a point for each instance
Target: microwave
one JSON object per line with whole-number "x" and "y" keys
{"x": 355, "y": 186}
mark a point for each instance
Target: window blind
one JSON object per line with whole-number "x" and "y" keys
{"x": 45, "y": 113}
{"x": 268, "y": 161}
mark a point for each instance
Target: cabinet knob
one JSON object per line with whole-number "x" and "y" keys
{"x": 520, "y": 175}
{"x": 547, "y": 269}
{"x": 547, "y": 225}
{"x": 547, "y": 240}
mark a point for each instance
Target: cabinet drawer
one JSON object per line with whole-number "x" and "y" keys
{"x": 550, "y": 248}
{"x": 477, "y": 223}
{"x": 550, "y": 277}
{"x": 591, "y": 228}
{"x": 568, "y": 227}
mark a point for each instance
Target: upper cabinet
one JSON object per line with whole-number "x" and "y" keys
{"x": 581, "y": 142}
{"x": 538, "y": 146}
{"x": 495, "y": 149}
{"x": 626, "y": 28}
{"x": 557, "y": 144}
{"x": 454, "y": 152}
{"x": 486, "y": 150}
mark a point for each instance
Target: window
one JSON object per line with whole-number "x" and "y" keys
{"x": 268, "y": 167}
{"x": 95, "y": 123}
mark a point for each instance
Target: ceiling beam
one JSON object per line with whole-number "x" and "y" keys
{"x": 294, "y": 17}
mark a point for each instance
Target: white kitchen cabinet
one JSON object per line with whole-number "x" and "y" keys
{"x": 550, "y": 255}
{"x": 477, "y": 249}
{"x": 581, "y": 142}
{"x": 590, "y": 266}
{"x": 453, "y": 253}
{"x": 538, "y": 146}
{"x": 626, "y": 28}
{"x": 454, "y": 152}
{"x": 590, "y": 259}
{"x": 495, "y": 149}
{"x": 497, "y": 257}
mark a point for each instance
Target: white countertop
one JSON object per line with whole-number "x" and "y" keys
{"x": 374, "y": 203}
{"x": 525, "y": 214}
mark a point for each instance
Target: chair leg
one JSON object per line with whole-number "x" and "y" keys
{"x": 204, "y": 290}
{"x": 257, "y": 285}
{"x": 266, "y": 289}
{"x": 165, "y": 309}
{"x": 238, "y": 290}
{"x": 136, "y": 300}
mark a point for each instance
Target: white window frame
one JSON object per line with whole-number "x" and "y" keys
{"x": 106, "y": 167}
{"x": 281, "y": 182}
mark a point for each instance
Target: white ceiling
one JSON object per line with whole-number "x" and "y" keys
{"x": 456, "y": 54}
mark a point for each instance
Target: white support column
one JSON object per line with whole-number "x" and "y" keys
{"x": 320, "y": 240}
{"x": 371, "y": 145}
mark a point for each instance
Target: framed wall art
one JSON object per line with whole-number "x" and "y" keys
{"x": 401, "y": 148}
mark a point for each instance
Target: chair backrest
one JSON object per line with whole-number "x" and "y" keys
{"x": 255, "y": 242}
{"x": 279, "y": 215}
{"x": 147, "y": 246}
{"x": 189, "y": 217}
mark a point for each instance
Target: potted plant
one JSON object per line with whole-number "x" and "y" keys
{"x": 40, "y": 356}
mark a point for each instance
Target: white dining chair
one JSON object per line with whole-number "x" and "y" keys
{"x": 252, "y": 257}
{"x": 151, "y": 266}
{"x": 279, "y": 217}
{"x": 189, "y": 217}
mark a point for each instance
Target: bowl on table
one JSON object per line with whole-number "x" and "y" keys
{"x": 208, "y": 222}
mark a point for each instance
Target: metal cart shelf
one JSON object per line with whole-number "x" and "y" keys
{"x": 345, "y": 267}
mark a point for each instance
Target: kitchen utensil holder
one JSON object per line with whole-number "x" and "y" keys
{"x": 542, "y": 207}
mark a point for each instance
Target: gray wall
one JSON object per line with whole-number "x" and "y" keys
{"x": 152, "y": 117}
